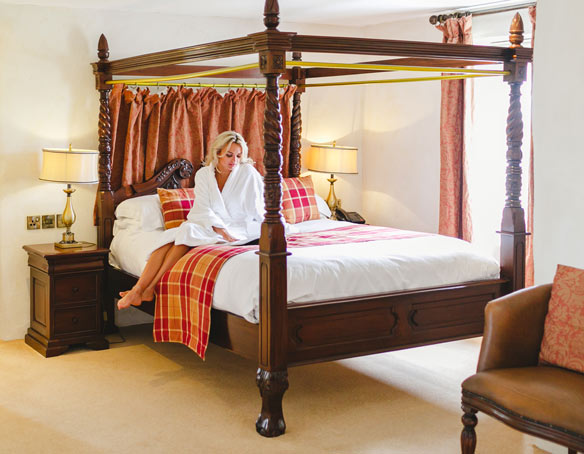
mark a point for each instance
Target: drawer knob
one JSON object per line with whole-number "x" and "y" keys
{"x": 75, "y": 289}
{"x": 75, "y": 320}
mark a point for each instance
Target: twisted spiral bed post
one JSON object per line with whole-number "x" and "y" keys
{"x": 272, "y": 373}
{"x": 513, "y": 232}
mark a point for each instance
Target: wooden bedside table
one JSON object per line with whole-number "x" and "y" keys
{"x": 66, "y": 287}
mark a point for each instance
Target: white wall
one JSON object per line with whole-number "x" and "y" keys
{"x": 558, "y": 117}
{"x": 401, "y": 141}
{"x": 49, "y": 100}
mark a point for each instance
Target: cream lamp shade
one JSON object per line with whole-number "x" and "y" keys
{"x": 332, "y": 159}
{"x": 69, "y": 165}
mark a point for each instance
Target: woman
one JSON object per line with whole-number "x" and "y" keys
{"x": 228, "y": 207}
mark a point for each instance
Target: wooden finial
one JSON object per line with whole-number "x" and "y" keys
{"x": 516, "y": 31}
{"x": 271, "y": 14}
{"x": 102, "y": 48}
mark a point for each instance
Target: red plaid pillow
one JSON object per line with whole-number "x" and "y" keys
{"x": 298, "y": 201}
{"x": 176, "y": 204}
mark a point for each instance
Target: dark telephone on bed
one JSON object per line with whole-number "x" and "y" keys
{"x": 349, "y": 216}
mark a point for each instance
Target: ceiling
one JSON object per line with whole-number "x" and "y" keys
{"x": 331, "y": 12}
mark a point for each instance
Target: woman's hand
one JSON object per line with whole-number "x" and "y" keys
{"x": 223, "y": 232}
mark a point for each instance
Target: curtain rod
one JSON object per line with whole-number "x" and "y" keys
{"x": 194, "y": 85}
{"x": 440, "y": 18}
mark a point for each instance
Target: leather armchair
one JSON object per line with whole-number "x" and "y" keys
{"x": 509, "y": 385}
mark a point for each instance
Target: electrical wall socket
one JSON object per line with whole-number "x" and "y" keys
{"x": 33, "y": 222}
{"x": 48, "y": 221}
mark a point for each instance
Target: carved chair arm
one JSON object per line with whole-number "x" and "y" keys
{"x": 514, "y": 329}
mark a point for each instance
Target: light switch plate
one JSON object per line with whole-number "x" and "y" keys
{"x": 48, "y": 221}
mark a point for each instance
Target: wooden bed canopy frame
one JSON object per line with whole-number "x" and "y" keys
{"x": 301, "y": 333}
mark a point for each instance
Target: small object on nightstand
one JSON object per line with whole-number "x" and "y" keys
{"x": 66, "y": 288}
{"x": 349, "y": 216}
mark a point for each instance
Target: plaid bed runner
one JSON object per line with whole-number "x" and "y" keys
{"x": 350, "y": 234}
{"x": 184, "y": 295}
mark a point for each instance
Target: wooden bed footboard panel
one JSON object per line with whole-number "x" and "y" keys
{"x": 359, "y": 326}
{"x": 336, "y": 329}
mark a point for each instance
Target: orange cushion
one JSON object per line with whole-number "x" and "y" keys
{"x": 563, "y": 337}
{"x": 176, "y": 204}
{"x": 298, "y": 201}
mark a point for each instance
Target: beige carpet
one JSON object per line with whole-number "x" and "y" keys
{"x": 140, "y": 397}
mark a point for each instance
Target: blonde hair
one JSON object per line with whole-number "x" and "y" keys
{"x": 223, "y": 140}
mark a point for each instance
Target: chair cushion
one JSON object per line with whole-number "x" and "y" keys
{"x": 563, "y": 335}
{"x": 176, "y": 204}
{"x": 298, "y": 200}
{"x": 548, "y": 395}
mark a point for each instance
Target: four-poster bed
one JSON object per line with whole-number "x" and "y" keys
{"x": 334, "y": 328}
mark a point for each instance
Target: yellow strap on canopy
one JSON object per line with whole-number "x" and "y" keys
{"x": 375, "y": 67}
{"x": 211, "y": 72}
{"x": 393, "y": 81}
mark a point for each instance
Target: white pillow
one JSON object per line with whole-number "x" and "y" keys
{"x": 323, "y": 208}
{"x": 142, "y": 213}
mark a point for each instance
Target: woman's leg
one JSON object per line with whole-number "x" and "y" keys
{"x": 175, "y": 253}
{"x": 133, "y": 297}
{"x": 159, "y": 262}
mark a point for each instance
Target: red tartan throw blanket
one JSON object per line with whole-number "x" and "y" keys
{"x": 350, "y": 234}
{"x": 184, "y": 295}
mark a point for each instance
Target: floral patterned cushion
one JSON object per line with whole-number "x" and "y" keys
{"x": 298, "y": 200}
{"x": 176, "y": 204}
{"x": 563, "y": 338}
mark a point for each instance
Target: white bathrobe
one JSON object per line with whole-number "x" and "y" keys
{"x": 239, "y": 208}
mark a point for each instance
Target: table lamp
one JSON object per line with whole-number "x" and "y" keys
{"x": 332, "y": 159}
{"x": 69, "y": 166}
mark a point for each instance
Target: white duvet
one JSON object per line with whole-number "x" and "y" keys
{"x": 325, "y": 272}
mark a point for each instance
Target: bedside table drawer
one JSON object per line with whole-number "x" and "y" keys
{"x": 76, "y": 288}
{"x": 75, "y": 320}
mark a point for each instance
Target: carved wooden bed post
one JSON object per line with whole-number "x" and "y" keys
{"x": 296, "y": 123}
{"x": 272, "y": 373}
{"x": 105, "y": 197}
{"x": 513, "y": 224}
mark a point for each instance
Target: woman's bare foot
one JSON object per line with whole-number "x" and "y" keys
{"x": 148, "y": 294}
{"x": 122, "y": 294}
{"x": 131, "y": 298}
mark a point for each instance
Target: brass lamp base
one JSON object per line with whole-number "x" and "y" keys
{"x": 331, "y": 200}
{"x": 68, "y": 240}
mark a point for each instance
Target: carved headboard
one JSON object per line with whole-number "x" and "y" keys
{"x": 168, "y": 177}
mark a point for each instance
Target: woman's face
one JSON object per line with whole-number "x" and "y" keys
{"x": 229, "y": 158}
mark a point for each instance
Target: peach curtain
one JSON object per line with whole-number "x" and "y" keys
{"x": 529, "y": 267}
{"x": 148, "y": 130}
{"x": 454, "y": 218}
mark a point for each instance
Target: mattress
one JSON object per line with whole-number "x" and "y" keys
{"x": 330, "y": 271}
